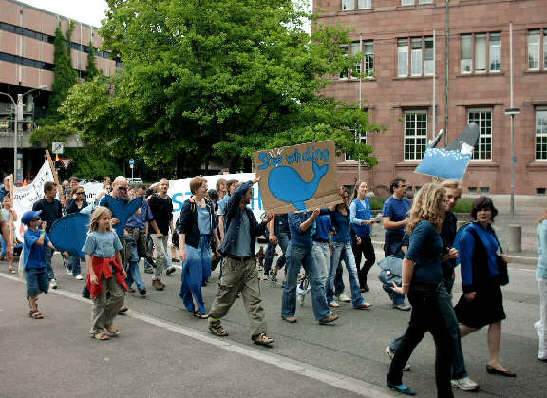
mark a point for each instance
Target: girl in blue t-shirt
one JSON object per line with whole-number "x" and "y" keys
{"x": 105, "y": 275}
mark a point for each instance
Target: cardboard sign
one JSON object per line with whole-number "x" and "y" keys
{"x": 298, "y": 178}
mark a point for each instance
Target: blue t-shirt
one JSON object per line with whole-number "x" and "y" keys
{"x": 34, "y": 255}
{"x": 396, "y": 210}
{"x": 204, "y": 220}
{"x": 341, "y": 226}
{"x": 102, "y": 244}
{"x": 139, "y": 220}
{"x": 322, "y": 230}
{"x": 425, "y": 249}
{"x": 242, "y": 245}
{"x": 222, "y": 205}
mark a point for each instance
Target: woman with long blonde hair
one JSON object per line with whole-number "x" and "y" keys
{"x": 423, "y": 283}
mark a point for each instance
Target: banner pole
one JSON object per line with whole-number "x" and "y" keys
{"x": 56, "y": 177}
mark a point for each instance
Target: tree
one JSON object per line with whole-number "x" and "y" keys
{"x": 209, "y": 81}
{"x": 92, "y": 70}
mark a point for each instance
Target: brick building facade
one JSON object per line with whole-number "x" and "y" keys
{"x": 396, "y": 37}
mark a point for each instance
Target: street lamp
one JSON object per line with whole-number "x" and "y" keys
{"x": 18, "y": 113}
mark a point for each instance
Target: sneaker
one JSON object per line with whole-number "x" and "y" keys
{"x": 68, "y": 271}
{"x": 402, "y": 307}
{"x": 390, "y": 353}
{"x": 143, "y": 291}
{"x": 79, "y": 277}
{"x": 344, "y": 298}
{"x": 334, "y": 304}
{"x": 53, "y": 284}
{"x": 328, "y": 319}
{"x": 300, "y": 299}
{"x": 11, "y": 270}
{"x": 465, "y": 383}
{"x": 170, "y": 270}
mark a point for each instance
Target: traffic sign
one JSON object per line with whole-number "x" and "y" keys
{"x": 131, "y": 162}
{"x": 57, "y": 147}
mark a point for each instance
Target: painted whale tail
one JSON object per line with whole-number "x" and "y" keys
{"x": 319, "y": 171}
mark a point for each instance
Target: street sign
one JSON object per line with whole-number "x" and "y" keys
{"x": 131, "y": 162}
{"x": 57, "y": 147}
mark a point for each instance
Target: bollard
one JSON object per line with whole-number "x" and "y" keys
{"x": 515, "y": 238}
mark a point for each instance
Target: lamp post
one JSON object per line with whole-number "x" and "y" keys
{"x": 18, "y": 116}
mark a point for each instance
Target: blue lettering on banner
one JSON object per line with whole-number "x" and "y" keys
{"x": 311, "y": 155}
{"x": 179, "y": 198}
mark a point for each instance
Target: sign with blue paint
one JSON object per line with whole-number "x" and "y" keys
{"x": 298, "y": 178}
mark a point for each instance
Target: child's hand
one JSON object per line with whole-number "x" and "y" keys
{"x": 94, "y": 279}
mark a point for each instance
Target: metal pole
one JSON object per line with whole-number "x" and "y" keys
{"x": 434, "y": 111}
{"x": 360, "y": 104}
{"x": 447, "y": 68}
{"x": 512, "y": 123}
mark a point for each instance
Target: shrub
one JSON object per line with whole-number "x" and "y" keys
{"x": 463, "y": 206}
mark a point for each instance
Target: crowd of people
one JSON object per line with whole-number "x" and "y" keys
{"x": 217, "y": 229}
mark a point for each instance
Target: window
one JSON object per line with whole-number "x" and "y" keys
{"x": 364, "y": 4}
{"x": 416, "y": 59}
{"x": 495, "y": 52}
{"x": 402, "y": 50}
{"x": 545, "y": 49}
{"x": 481, "y": 51}
{"x": 473, "y": 190}
{"x": 541, "y": 134}
{"x": 348, "y": 4}
{"x": 483, "y": 117}
{"x": 485, "y": 190}
{"x": 426, "y": 1}
{"x": 467, "y": 53}
{"x": 360, "y": 138}
{"x": 344, "y": 74}
{"x": 429, "y": 67}
{"x": 415, "y": 134}
{"x": 355, "y": 50}
{"x": 369, "y": 58}
{"x": 407, "y": 2}
{"x": 533, "y": 49}
{"x": 540, "y": 191}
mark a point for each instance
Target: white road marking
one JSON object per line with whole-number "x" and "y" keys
{"x": 330, "y": 378}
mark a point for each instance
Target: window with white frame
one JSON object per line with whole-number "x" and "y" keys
{"x": 426, "y": 1}
{"x": 415, "y": 134}
{"x": 429, "y": 48}
{"x": 541, "y": 133}
{"x": 355, "y": 50}
{"x": 481, "y": 52}
{"x": 402, "y": 56}
{"x": 369, "y": 58}
{"x": 360, "y": 138}
{"x": 364, "y": 4}
{"x": 348, "y": 4}
{"x": 533, "y": 49}
{"x": 483, "y": 117}
{"x": 407, "y": 2}
{"x": 416, "y": 56}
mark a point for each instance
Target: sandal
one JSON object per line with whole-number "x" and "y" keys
{"x": 263, "y": 339}
{"x": 99, "y": 336}
{"x": 201, "y": 315}
{"x": 36, "y": 314}
{"x": 217, "y": 329}
{"x": 112, "y": 332}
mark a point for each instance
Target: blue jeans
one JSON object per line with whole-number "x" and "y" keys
{"x": 302, "y": 257}
{"x": 320, "y": 255}
{"x": 194, "y": 269}
{"x": 49, "y": 253}
{"x": 73, "y": 264}
{"x": 343, "y": 250}
{"x": 4, "y": 245}
{"x": 396, "y": 298}
{"x": 283, "y": 242}
{"x": 133, "y": 272}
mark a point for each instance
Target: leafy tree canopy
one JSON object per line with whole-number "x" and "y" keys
{"x": 215, "y": 80}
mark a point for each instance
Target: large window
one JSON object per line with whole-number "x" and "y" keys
{"x": 369, "y": 58}
{"x": 533, "y": 49}
{"x": 344, "y": 74}
{"x": 355, "y": 50}
{"x": 481, "y": 52}
{"x": 353, "y": 4}
{"x": 348, "y": 4}
{"x": 541, "y": 133}
{"x": 413, "y": 2}
{"x": 415, "y": 134}
{"x": 360, "y": 138}
{"x": 364, "y": 4}
{"x": 483, "y": 117}
{"x": 421, "y": 56}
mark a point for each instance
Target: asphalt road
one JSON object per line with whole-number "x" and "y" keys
{"x": 164, "y": 351}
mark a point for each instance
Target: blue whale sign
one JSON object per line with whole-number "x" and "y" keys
{"x": 298, "y": 177}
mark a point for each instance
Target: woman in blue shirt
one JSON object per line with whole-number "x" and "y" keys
{"x": 481, "y": 303}
{"x": 541, "y": 325}
{"x": 422, "y": 283}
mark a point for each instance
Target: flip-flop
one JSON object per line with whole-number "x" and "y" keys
{"x": 36, "y": 314}
{"x": 99, "y": 336}
{"x": 403, "y": 389}
{"x": 494, "y": 371}
{"x": 114, "y": 332}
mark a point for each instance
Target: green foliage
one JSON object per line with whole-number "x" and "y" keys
{"x": 92, "y": 163}
{"x": 377, "y": 203}
{"x": 217, "y": 80}
{"x": 463, "y": 206}
{"x": 92, "y": 70}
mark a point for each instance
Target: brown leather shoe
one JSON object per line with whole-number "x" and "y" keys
{"x": 157, "y": 284}
{"x": 328, "y": 319}
{"x": 290, "y": 319}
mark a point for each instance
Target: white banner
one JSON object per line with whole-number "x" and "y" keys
{"x": 24, "y": 197}
{"x": 179, "y": 191}
{"x": 92, "y": 189}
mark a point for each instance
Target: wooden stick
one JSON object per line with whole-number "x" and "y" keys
{"x": 56, "y": 178}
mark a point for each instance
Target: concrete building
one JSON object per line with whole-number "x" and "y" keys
{"x": 400, "y": 59}
{"x": 26, "y": 63}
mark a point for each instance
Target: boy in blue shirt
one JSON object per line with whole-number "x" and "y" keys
{"x": 35, "y": 243}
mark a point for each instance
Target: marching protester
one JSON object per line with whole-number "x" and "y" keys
{"x": 422, "y": 283}
{"x": 299, "y": 254}
{"x": 52, "y": 210}
{"x": 195, "y": 228}
{"x": 395, "y": 214}
{"x": 162, "y": 210}
{"x": 541, "y": 325}
{"x": 361, "y": 220}
{"x": 35, "y": 266}
{"x": 75, "y": 205}
{"x": 105, "y": 274}
{"x": 9, "y": 217}
{"x": 231, "y": 186}
{"x": 481, "y": 303}
{"x": 5, "y": 188}
{"x": 221, "y": 188}
{"x": 240, "y": 274}
{"x": 341, "y": 249}
{"x": 279, "y": 234}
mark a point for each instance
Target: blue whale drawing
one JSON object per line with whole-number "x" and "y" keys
{"x": 287, "y": 185}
